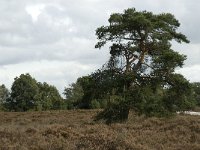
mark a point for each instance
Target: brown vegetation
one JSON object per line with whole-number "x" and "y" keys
{"x": 57, "y": 130}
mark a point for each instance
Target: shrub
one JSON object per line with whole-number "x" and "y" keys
{"x": 95, "y": 104}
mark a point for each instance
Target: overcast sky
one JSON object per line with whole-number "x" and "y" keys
{"x": 54, "y": 40}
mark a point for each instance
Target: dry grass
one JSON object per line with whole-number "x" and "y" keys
{"x": 57, "y": 130}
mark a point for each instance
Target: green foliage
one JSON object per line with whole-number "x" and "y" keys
{"x": 23, "y": 93}
{"x": 74, "y": 94}
{"x": 4, "y": 96}
{"x": 142, "y": 64}
{"x": 103, "y": 103}
{"x": 48, "y": 97}
{"x": 28, "y": 94}
{"x": 146, "y": 101}
{"x": 68, "y": 104}
{"x": 95, "y": 104}
{"x": 116, "y": 111}
{"x": 93, "y": 91}
{"x": 179, "y": 96}
{"x": 196, "y": 90}
{"x": 88, "y": 92}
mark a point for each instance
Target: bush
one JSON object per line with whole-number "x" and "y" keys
{"x": 95, "y": 104}
{"x": 117, "y": 110}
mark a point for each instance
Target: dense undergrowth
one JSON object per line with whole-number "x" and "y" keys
{"x": 76, "y": 129}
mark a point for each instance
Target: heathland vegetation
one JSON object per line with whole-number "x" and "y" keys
{"x": 76, "y": 130}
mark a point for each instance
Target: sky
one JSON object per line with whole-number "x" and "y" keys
{"x": 54, "y": 40}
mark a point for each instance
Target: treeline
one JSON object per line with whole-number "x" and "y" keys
{"x": 97, "y": 90}
{"x": 100, "y": 89}
{"x": 27, "y": 94}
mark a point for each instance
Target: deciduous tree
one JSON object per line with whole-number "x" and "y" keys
{"x": 4, "y": 96}
{"x": 48, "y": 97}
{"x": 23, "y": 93}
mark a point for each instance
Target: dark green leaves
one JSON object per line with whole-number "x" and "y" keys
{"x": 141, "y": 54}
{"x": 28, "y": 94}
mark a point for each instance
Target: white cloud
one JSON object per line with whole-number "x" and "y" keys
{"x": 54, "y": 40}
{"x": 59, "y": 73}
{"x": 35, "y": 10}
{"x": 191, "y": 73}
